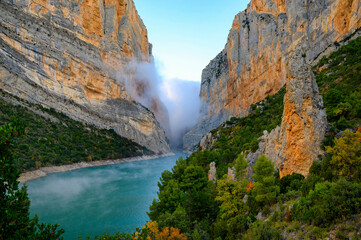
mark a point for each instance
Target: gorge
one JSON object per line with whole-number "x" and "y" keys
{"x": 273, "y": 139}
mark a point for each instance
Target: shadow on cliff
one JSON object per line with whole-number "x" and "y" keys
{"x": 174, "y": 102}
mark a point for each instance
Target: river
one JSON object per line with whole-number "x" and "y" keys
{"x": 92, "y": 201}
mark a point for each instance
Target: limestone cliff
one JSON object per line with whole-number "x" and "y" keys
{"x": 68, "y": 55}
{"x": 273, "y": 43}
{"x": 253, "y": 63}
{"x": 296, "y": 143}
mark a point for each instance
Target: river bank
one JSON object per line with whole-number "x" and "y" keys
{"x": 44, "y": 171}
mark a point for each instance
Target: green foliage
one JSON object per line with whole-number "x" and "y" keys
{"x": 62, "y": 140}
{"x": 346, "y": 155}
{"x": 291, "y": 182}
{"x": 187, "y": 186}
{"x": 196, "y": 235}
{"x": 329, "y": 202}
{"x": 265, "y": 188}
{"x": 232, "y": 209}
{"x": 338, "y": 78}
{"x": 14, "y": 202}
{"x": 330, "y": 193}
{"x": 262, "y": 231}
{"x": 241, "y": 134}
{"x": 240, "y": 165}
{"x": 178, "y": 219}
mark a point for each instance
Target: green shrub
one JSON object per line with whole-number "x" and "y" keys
{"x": 263, "y": 231}
{"x": 328, "y": 202}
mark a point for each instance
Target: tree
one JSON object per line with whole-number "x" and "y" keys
{"x": 178, "y": 219}
{"x": 153, "y": 232}
{"x": 14, "y": 202}
{"x": 196, "y": 235}
{"x": 231, "y": 195}
{"x": 194, "y": 178}
{"x": 346, "y": 154}
{"x": 240, "y": 166}
{"x": 233, "y": 209}
{"x": 171, "y": 197}
{"x": 265, "y": 187}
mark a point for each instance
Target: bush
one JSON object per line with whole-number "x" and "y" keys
{"x": 328, "y": 202}
{"x": 291, "y": 182}
{"x": 262, "y": 231}
{"x": 346, "y": 155}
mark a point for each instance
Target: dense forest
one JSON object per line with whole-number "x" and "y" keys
{"x": 52, "y": 138}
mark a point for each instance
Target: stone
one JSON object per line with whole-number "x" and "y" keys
{"x": 295, "y": 144}
{"x": 232, "y": 174}
{"x": 67, "y": 55}
{"x": 212, "y": 172}
{"x": 253, "y": 62}
{"x": 304, "y": 119}
{"x": 207, "y": 142}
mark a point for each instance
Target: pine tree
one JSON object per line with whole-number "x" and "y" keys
{"x": 265, "y": 187}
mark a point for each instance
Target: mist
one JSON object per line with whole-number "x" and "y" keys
{"x": 182, "y": 101}
{"x": 174, "y": 102}
{"x": 91, "y": 201}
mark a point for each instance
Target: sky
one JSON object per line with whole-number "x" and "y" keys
{"x": 187, "y": 34}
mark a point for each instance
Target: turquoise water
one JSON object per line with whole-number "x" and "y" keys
{"x": 95, "y": 200}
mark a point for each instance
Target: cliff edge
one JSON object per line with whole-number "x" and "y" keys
{"x": 68, "y": 55}
{"x": 253, "y": 62}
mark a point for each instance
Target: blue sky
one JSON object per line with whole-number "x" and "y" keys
{"x": 187, "y": 34}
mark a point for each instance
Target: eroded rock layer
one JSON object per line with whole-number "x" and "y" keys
{"x": 68, "y": 55}
{"x": 296, "y": 143}
{"x": 253, "y": 63}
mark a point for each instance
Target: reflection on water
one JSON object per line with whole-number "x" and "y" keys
{"x": 91, "y": 201}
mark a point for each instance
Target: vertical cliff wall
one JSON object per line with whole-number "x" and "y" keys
{"x": 253, "y": 63}
{"x": 67, "y": 54}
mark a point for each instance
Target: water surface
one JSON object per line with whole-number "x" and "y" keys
{"x": 92, "y": 201}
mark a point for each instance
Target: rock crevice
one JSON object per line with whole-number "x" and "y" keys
{"x": 253, "y": 62}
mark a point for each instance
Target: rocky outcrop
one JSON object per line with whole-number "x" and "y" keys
{"x": 296, "y": 143}
{"x": 67, "y": 55}
{"x": 212, "y": 172}
{"x": 253, "y": 63}
{"x": 231, "y": 175}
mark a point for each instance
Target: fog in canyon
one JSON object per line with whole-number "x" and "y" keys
{"x": 175, "y": 102}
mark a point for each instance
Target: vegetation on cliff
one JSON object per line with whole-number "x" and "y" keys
{"x": 15, "y": 222}
{"x": 52, "y": 138}
{"x": 259, "y": 205}
{"x": 272, "y": 208}
{"x": 240, "y": 134}
{"x": 339, "y": 79}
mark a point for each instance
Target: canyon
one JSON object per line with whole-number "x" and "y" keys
{"x": 259, "y": 59}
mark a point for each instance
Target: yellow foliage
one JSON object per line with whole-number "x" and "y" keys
{"x": 346, "y": 154}
{"x": 166, "y": 234}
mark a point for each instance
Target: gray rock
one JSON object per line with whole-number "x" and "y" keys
{"x": 67, "y": 55}
{"x": 212, "y": 172}
{"x": 253, "y": 62}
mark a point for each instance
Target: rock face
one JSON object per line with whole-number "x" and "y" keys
{"x": 253, "y": 63}
{"x": 296, "y": 143}
{"x": 212, "y": 172}
{"x": 67, "y": 55}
